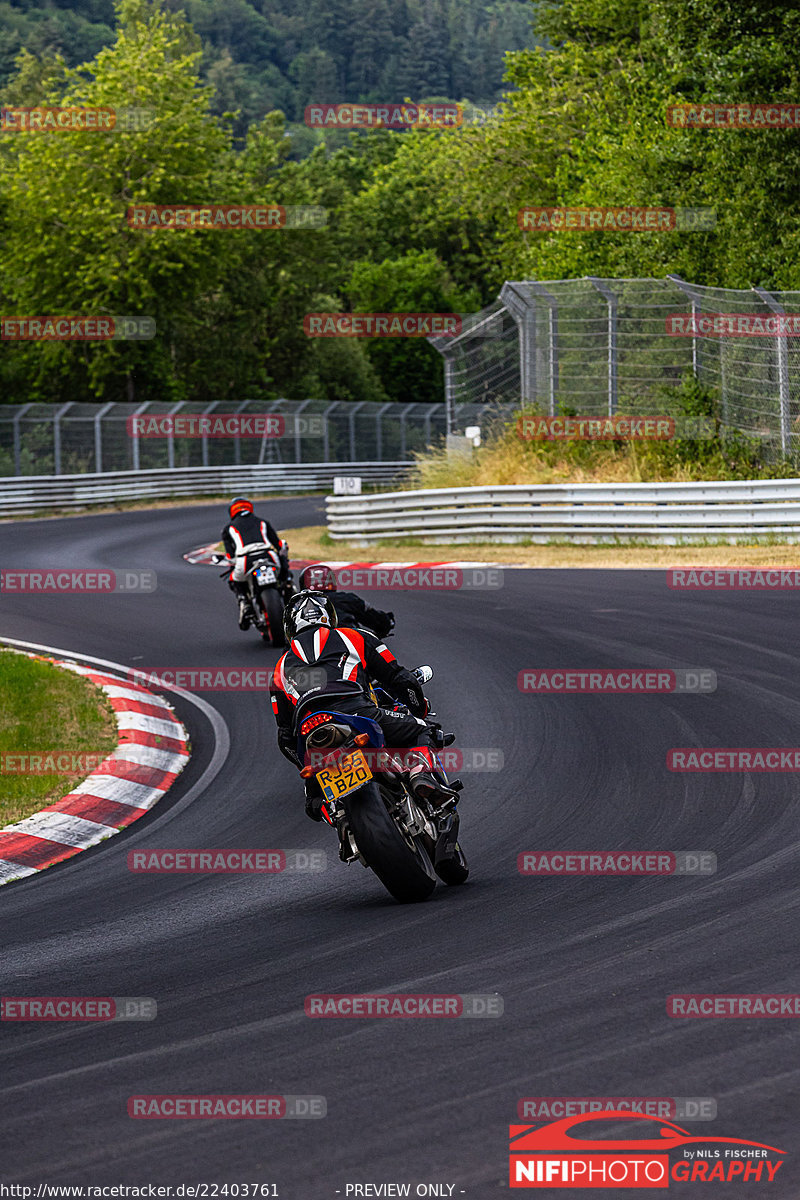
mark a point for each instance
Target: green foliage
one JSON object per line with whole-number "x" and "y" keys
{"x": 418, "y": 220}
{"x": 262, "y": 55}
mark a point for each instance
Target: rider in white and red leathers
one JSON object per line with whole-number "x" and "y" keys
{"x": 342, "y": 662}
{"x": 247, "y": 532}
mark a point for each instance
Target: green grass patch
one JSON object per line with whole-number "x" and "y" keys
{"x": 46, "y": 709}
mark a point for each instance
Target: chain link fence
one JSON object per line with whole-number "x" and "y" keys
{"x": 598, "y": 346}
{"x": 77, "y": 438}
{"x": 586, "y": 346}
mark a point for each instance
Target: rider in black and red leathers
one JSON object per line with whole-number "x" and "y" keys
{"x": 245, "y": 530}
{"x": 341, "y": 662}
{"x": 350, "y": 608}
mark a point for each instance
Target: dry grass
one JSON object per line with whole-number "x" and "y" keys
{"x": 314, "y": 542}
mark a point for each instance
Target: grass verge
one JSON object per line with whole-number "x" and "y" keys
{"x": 314, "y": 542}
{"x": 44, "y": 708}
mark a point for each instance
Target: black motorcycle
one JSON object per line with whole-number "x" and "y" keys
{"x": 267, "y": 594}
{"x": 404, "y": 839}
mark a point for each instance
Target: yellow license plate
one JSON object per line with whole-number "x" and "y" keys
{"x": 349, "y": 775}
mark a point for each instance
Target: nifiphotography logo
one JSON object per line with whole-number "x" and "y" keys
{"x": 576, "y": 1152}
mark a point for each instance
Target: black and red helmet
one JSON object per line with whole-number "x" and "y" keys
{"x": 239, "y": 504}
{"x": 308, "y": 610}
{"x": 318, "y": 577}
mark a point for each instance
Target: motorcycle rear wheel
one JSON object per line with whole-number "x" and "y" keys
{"x": 401, "y": 864}
{"x": 272, "y": 606}
{"x": 453, "y": 871}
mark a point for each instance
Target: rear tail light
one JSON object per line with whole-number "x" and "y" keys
{"x": 312, "y": 722}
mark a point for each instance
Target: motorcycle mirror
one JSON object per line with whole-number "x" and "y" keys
{"x": 423, "y": 674}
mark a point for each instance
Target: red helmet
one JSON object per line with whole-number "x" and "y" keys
{"x": 318, "y": 578}
{"x": 239, "y": 504}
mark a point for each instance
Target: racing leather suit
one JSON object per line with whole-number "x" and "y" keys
{"x": 352, "y": 610}
{"x": 245, "y": 532}
{"x": 321, "y": 660}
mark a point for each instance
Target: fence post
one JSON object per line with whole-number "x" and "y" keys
{"x": 540, "y": 291}
{"x": 237, "y": 442}
{"x": 171, "y": 437}
{"x": 303, "y": 404}
{"x": 449, "y": 389}
{"x": 689, "y": 291}
{"x": 98, "y": 436}
{"x": 17, "y": 439}
{"x": 326, "y": 438}
{"x": 403, "y": 444}
{"x": 518, "y": 302}
{"x": 783, "y": 371}
{"x": 57, "y": 436}
{"x": 353, "y": 410}
{"x": 204, "y": 437}
{"x": 613, "y": 363}
{"x": 135, "y": 440}
{"x": 427, "y": 422}
{"x": 379, "y": 431}
{"x": 267, "y": 448}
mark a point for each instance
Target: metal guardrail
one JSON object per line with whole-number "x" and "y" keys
{"x": 20, "y": 495}
{"x": 583, "y": 512}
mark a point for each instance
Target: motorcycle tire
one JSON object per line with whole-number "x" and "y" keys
{"x": 402, "y": 866}
{"x": 455, "y": 870}
{"x": 272, "y": 607}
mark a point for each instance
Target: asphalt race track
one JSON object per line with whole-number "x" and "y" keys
{"x": 584, "y": 965}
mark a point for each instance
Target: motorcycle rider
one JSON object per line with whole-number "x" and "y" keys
{"x": 350, "y": 608}
{"x": 244, "y": 533}
{"x": 326, "y": 658}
